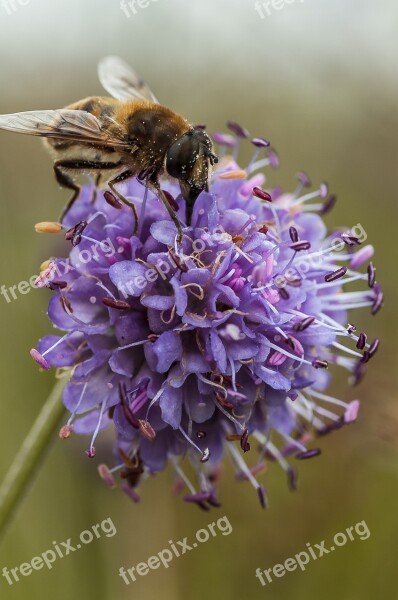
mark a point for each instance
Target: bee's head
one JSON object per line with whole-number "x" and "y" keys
{"x": 189, "y": 160}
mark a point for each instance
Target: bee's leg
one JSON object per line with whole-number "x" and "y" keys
{"x": 95, "y": 190}
{"x": 66, "y": 181}
{"x": 156, "y": 187}
{"x": 122, "y": 177}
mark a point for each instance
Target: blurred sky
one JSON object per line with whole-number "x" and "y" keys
{"x": 319, "y": 78}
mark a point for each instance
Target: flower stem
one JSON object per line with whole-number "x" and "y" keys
{"x": 31, "y": 453}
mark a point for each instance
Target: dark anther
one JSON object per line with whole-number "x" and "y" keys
{"x": 293, "y": 234}
{"x": 374, "y": 346}
{"x": 304, "y": 324}
{"x": 320, "y": 364}
{"x": 361, "y": 343}
{"x": 329, "y": 205}
{"x": 74, "y": 234}
{"x": 113, "y": 200}
{"x": 301, "y": 245}
{"x": 238, "y": 130}
{"x": 260, "y": 142}
{"x": 262, "y": 496}
{"x": 244, "y": 444}
{"x": 336, "y": 274}
{"x": 350, "y": 240}
{"x": 292, "y": 475}
{"x": 118, "y": 304}
{"x": 308, "y": 453}
{"x": 378, "y": 303}
{"x": 259, "y": 193}
{"x": 371, "y": 275}
{"x": 284, "y": 293}
{"x": 57, "y": 285}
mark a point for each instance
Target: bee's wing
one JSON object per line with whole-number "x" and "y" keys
{"x": 122, "y": 82}
{"x": 74, "y": 125}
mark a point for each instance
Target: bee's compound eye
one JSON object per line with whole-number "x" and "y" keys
{"x": 181, "y": 156}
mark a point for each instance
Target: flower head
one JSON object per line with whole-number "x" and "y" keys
{"x": 221, "y": 343}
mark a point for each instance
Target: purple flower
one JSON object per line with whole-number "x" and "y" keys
{"x": 223, "y": 343}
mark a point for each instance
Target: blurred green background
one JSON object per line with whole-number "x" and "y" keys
{"x": 319, "y": 79}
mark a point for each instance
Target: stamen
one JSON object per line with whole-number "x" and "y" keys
{"x": 284, "y": 293}
{"x": 328, "y": 205}
{"x": 336, "y": 274}
{"x": 113, "y": 201}
{"x": 259, "y": 193}
{"x": 78, "y": 405}
{"x": 351, "y": 412}
{"x": 39, "y": 358}
{"x": 378, "y": 303}
{"x": 65, "y": 432}
{"x": 146, "y": 429}
{"x": 292, "y": 476}
{"x": 91, "y": 452}
{"x": 323, "y": 190}
{"x": 130, "y": 492}
{"x": 244, "y": 444}
{"x": 182, "y": 475}
{"x": 198, "y": 497}
{"x": 300, "y": 245}
{"x": 362, "y": 256}
{"x": 118, "y": 304}
{"x": 350, "y": 239}
{"x": 303, "y": 325}
{"x": 106, "y": 476}
{"x": 238, "y": 130}
{"x": 237, "y": 174}
{"x": 260, "y": 142}
{"x": 374, "y": 347}
{"x": 361, "y": 343}
{"x": 205, "y": 453}
{"x": 293, "y": 234}
{"x": 303, "y": 179}
{"x": 320, "y": 364}
{"x": 308, "y": 454}
{"x": 371, "y": 275}
{"x": 262, "y": 496}
{"x": 224, "y": 139}
{"x": 48, "y": 227}
{"x": 74, "y": 234}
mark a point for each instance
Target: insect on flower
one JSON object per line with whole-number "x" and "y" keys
{"x": 223, "y": 344}
{"x": 128, "y": 135}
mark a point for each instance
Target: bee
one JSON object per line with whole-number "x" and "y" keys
{"x": 127, "y": 135}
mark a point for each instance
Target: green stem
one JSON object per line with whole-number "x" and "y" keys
{"x": 31, "y": 453}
